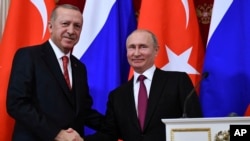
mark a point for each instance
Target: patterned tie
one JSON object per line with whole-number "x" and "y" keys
{"x": 65, "y": 60}
{"x": 142, "y": 101}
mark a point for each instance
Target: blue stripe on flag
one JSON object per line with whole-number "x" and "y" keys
{"x": 105, "y": 58}
{"x": 227, "y": 88}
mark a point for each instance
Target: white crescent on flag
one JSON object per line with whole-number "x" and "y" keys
{"x": 41, "y": 7}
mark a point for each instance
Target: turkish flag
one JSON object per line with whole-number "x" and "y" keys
{"x": 175, "y": 24}
{"x": 26, "y": 25}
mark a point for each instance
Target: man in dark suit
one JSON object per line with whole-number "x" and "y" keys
{"x": 166, "y": 92}
{"x": 47, "y": 106}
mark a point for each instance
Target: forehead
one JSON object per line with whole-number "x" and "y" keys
{"x": 70, "y": 14}
{"x": 139, "y": 37}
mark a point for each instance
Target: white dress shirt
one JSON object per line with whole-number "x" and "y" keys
{"x": 59, "y": 55}
{"x": 149, "y": 76}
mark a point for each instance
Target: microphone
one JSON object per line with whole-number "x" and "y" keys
{"x": 184, "y": 114}
{"x": 233, "y": 114}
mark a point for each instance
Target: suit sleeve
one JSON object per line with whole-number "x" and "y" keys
{"x": 108, "y": 130}
{"x": 21, "y": 103}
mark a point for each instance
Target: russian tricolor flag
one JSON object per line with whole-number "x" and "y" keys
{"x": 227, "y": 89}
{"x": 102, "y": 46}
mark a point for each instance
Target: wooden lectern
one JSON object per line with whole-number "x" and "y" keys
{"x": 201, "y": 129}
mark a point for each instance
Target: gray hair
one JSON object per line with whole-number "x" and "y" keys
{"x": 153, "y": 36}
{"x": 67, "y": 6}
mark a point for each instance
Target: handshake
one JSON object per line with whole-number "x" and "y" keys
{"x": 68, "y": 135}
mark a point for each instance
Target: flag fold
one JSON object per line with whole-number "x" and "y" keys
{"x": 226, "y": 90}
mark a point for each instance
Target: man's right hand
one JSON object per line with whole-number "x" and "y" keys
{"x": 68, "y": 135}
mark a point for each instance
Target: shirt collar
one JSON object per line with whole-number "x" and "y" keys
{"x": 148, "y": 73}
{"x": 58, "y": 52}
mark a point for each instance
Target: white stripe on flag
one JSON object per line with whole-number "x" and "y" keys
{"x": 220, "y": 8}
{"x": 93, "y": 21}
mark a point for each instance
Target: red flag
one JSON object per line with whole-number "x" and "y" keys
{"x": 175, "y": 24}
{"x": 26, "y": 25}
{"x": 79, "y": 3}
{"x": 247, "y": 112}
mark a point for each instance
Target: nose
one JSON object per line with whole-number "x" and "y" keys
{"x": 70, "y": 30}
{"x": 137, "y": 51}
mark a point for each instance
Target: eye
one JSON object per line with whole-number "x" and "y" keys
{"x": 65, "y": 24}
{"x": 143, "y": 46}
{"x": 131, "y": 47}
{"x": 78, "y": 26}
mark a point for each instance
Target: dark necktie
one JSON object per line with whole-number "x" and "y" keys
{"x": 65, "y": 60}
{"x": 142, "y": 101}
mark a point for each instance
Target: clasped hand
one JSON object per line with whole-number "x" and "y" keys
{"x": 68, "y": 135}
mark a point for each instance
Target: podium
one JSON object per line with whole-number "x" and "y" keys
{"x": 201, "y": 129}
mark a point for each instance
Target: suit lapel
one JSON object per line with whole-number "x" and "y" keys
{"x": 155, "y": 94}
{"x": 131, "y": 104}
{"x": 50, "y": 59}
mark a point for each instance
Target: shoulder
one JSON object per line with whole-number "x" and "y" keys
{"x": 170, "y": 74}
{"x": 77, "y": 66}
{"x": 77, "y": 62}
{"x": 170, "y": 77}
{"x": 31, "y": 53}
{"x": 124, "y": 88}
{"x": 25, "y": 53}
{"x": 31, "y": 49}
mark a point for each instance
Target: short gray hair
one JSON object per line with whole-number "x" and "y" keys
{"x": 153, "y": 36}
{"x": 67, "y": 6}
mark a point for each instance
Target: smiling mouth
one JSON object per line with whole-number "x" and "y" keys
{"x": 137, "y": 60}
{"x": 69, "y": 39}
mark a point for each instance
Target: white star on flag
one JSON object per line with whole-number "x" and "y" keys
{"x": 179, "y": 62}
{"x": 174, "y": 22}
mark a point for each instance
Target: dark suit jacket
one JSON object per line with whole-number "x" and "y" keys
{"x": 167, "y": 95}
{"x": 40, "y": 101}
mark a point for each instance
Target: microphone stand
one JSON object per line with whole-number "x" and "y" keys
{"x": 184, "y": 114}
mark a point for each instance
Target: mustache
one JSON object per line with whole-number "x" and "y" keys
{"x": 72, "y": 37}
